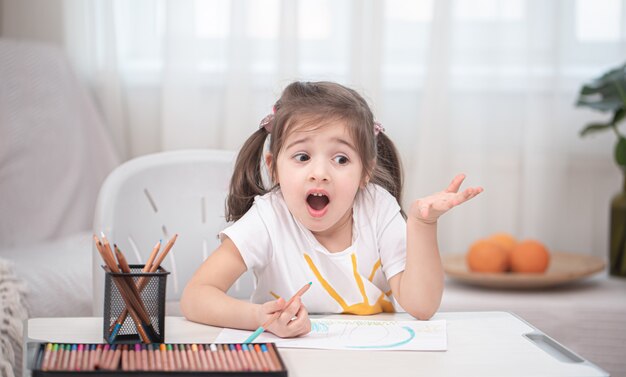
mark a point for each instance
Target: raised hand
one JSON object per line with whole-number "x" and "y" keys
{"x": 429, "y": 209}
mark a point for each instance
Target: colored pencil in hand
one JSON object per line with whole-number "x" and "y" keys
{"x": 277, "y": 314}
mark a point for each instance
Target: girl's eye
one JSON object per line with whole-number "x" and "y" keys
{"x": 302, "y": 157}
{"x": 341, "y": 160}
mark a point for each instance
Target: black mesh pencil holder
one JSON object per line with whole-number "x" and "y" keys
{"x": 134, "y": 306}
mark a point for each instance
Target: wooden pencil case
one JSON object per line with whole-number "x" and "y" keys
{"x": 166, "y": 360}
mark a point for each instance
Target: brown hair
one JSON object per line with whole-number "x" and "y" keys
{"x": 306, "y": 104}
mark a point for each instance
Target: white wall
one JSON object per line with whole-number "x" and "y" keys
{"x": 40, "y": 20}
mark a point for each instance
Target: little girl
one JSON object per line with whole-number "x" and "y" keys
{"x": 332, "y": 217}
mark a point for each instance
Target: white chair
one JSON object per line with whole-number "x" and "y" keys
{"x": 151, "y": 198}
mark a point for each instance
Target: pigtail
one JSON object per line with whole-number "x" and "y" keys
{"x": 388, "y": 170}
{"x": 247, "y": 181}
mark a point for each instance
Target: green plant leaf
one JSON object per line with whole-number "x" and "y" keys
{"x": 620, "y": 151}
{"x": 595, "y": 127}
{"x": 605, "y": 93}
{"x": 615, "y": 74}
{"x": 604, "y": 104}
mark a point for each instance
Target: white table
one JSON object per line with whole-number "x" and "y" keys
{"x": 589, "y": 316}
{"x": 479, "y": 344}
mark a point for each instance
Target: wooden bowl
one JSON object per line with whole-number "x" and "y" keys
{"x": 563, "y": 268}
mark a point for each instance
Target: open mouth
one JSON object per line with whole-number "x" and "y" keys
{"x": 317, "y": 202}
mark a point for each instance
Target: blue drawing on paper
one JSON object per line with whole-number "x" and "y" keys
{"x": 319, "y": 327}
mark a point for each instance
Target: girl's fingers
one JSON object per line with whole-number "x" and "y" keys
{"x": 268, "y": 310}
{"x": 290, "y": 312}
{"x": 439, "y": 203}
{"x": 294, "y": 321}
{"x": 273, "y": 306}
{"x": 472, "y": 192}
{"x": 456, "y": 183}
{"x": 467, "y": 194}
{"x": 302, "y": 324}
{"x": 447, "y": 202}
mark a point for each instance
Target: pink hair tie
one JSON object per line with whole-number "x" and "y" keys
{"x": 268, "y": 121}
{"x": 378, "y": 128}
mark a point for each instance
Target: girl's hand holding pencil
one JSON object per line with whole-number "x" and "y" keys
{"x": 284, "y": 319}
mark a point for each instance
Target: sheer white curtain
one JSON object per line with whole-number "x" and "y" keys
{"x": 485, "y": 87}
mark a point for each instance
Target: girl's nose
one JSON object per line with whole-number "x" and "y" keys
{"x": 319, "y": 172}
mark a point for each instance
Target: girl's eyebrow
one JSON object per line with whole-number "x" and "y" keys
{"x": 335, "y": 139}
{"x": 345, "y": 142}
{"x": 297, "y": 141}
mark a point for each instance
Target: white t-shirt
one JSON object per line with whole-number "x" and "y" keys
{"x": 284, "y": 255}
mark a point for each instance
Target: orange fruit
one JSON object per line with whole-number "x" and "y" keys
{"x": 530, "y": 256}
{"x": 505, "y": 240}
{"x": 487, "y": 256}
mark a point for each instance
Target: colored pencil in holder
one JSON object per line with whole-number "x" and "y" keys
{"x": 125, "y": 268}
{"x": 130, "y": 299}
{"x": 122, "y": 317}
{"x": 151, "y": 266}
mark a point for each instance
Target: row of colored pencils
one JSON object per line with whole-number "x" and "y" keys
{"x": 131, "y": 290}
{"x": 161, "y": 357}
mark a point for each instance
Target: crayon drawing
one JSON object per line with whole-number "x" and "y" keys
{"x": 363, "y": 337}
{"x": 358, "y": 335}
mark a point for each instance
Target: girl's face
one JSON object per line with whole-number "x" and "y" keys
{"x": 319, "y": 172}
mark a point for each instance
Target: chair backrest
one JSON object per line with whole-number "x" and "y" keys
{"x": 153, "y": 197}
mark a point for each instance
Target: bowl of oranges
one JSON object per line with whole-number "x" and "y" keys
{"x": 503, "y": 261}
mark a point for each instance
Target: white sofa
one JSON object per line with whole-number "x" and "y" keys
{"x": 54, "y": 154}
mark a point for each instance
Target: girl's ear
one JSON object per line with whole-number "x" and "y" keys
{"x": 366, "y": 180}
{"x": 369, "y": 174}
{"x": 269, "y": 163}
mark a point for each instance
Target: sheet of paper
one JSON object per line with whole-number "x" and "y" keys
{"x": 357, "y": 334}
